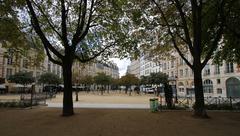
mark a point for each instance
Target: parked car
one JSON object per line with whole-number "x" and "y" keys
{"x": 50, "y": 88}
{"x": 148, "y": 90}
{"x": 3, "y": 89}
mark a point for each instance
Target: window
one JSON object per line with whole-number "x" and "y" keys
{"x": 9, "y": 72}
{"x": 229, "y": 67}
{"x": 172, "y": 64}
{"x": 186, "y": 72}
{"x": 172, "y": 75}
{"x": 181, "y": 61}
{"x": 9, "y": 60}
{"x": 49, "y": 67}
{"x": 181, "y": 73}
{"x": 207, "y": 86}
{"x": 147, "y": 72}
{"x": 206, "y": 70}
{"x": 164, "y": 66}
{"x": 147, "y": 66}
{"x": 181, "y": 90}
{"x": 218, "y": 81}
{"x": 25, "y": 63}
{"x": 217, "y": 69}
{"x": 219, "y": 91}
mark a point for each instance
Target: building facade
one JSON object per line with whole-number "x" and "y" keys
{"x": 148, "y": 66}
{"x": 218, "y": 80}
{"x": 134, "y": 68}
{"x": 11, "y": 64}
{"x": 93, "y": 68}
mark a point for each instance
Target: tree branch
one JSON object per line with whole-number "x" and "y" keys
{"x": 48, "y": 21}
{"x": 80, "y": 26}
{"x": 214, "y": 44}
{"x": 51, "y": 58}
{"x": 88, "y": 23}
{"x": 185, "y": 26}
{"x": 38, "y": 30}
{"x": 83, "y": 60}
{"x": 63, "y": 24}
{"x": 172, "y": 36}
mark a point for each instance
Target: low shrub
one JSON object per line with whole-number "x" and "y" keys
{"x": 19, "y": 104}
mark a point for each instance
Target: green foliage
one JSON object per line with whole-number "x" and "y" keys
{"x": 17, "y": 104}
{"x": 128, "y": 80}
{"x": 158, "y": 78}
{"x": 230, "y": 49}
{"x": 49, "y": 78}
{"x": 154, "y": 78}
{"x": 87, "y": 80}
{"x": 144, "y": 80}
{"x": 14, "y": 32}
{"x": 102, "y": 79}
{"x": 9, "y": 23}
{"x": 23, "y": 78}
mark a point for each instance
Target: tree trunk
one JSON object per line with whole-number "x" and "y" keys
{"x": 67, "y": 94}
{"x": 168, "y": 95}
{"x": 199, "y": 108}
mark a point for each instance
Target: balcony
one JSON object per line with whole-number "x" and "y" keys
{"x": 206, "y": 74}
{"x": 172, "y": 78}
{"x": 229, "y": 71}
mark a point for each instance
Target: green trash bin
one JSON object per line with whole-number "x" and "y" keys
{"x": 156, "y": 104}
{"x": 152, "y": 104}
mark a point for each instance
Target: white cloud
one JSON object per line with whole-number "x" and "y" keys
{"x": 122, "y": 65}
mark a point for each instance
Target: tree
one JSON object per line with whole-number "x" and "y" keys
{"x": 158, "y": 78}
{"x": 195, "y": 27}
{"x": 23, "y": 78}
{"x": 128, "y": 80}
{"x": 77, "y": 29}
{"x": 86, "y": 81}
{"x": 49, "y": 78}
{"x": 144, "y": 80}
{"x": 103, "y": 80}
{"x": 162, "y": 78}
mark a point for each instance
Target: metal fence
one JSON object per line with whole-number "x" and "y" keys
{"x": 211, "y": 103}
{"x": 31, "y": 99}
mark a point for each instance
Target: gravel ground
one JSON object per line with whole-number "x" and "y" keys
{"x": 42, "y": 121}
{"x": 112, "y": 97}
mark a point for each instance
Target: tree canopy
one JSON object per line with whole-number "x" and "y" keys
{"x": 86, "y": 80}
{"x": 102, "y": 79}
{"x": 49, "y": 78}
{"x": 78, "y": 29}
{"x": 128, "y": 80}
{"x": 194, "y": 27}
{"x": 23, "y": 78}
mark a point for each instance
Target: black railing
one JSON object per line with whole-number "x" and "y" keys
{"x": 211, "y": 103}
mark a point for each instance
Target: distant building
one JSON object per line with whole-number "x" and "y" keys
{"x": 218, "y": 80}
{"x": 134, "y": 68}
{"x": 148, "y": 66}
{"x": 11, "y": 64}
{"x": 92, "y": 68}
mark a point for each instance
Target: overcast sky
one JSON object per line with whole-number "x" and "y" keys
{"x": 122, "y": 65}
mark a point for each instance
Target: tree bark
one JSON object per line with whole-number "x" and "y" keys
{"x": 199, "y": 108}
{"x": 67, "y": 96}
